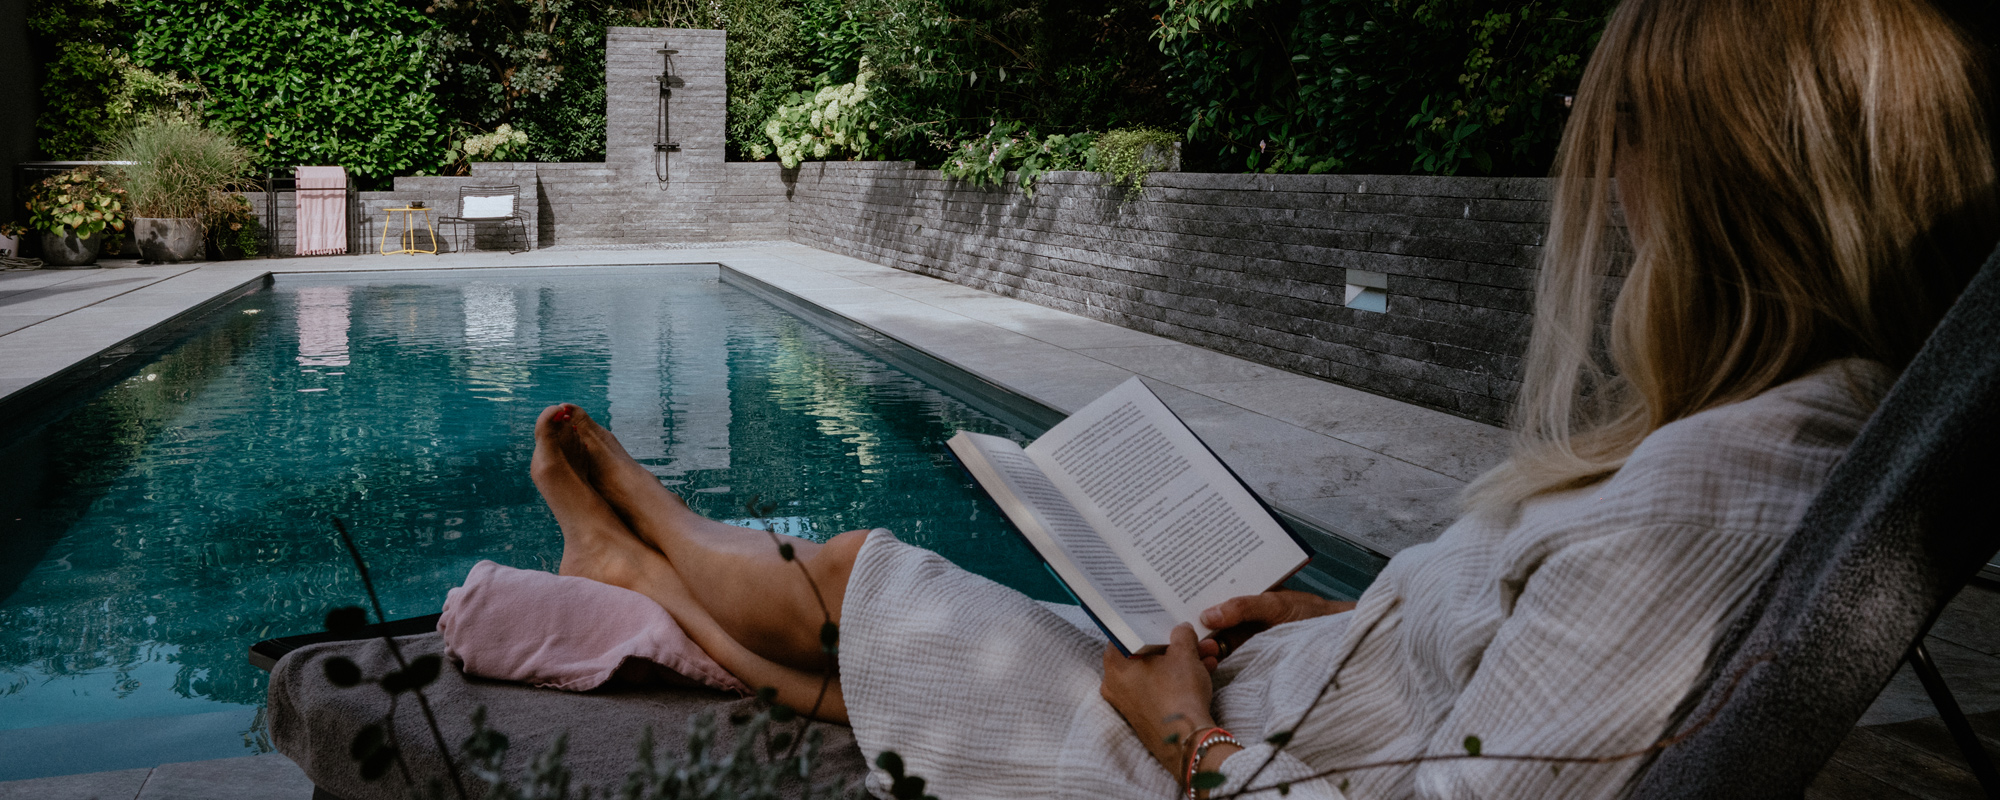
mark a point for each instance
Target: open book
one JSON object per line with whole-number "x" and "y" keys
{"x": 1134, "y": 515}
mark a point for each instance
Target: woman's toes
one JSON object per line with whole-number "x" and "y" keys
{"x": 552, "y": 418}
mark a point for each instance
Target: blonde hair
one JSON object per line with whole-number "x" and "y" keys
{"x": 1802, "y": 180}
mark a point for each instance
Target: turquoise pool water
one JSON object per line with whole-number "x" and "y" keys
{"x": 157, "y": 530}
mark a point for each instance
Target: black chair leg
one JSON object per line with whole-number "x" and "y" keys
{"x": 1954, "y": 719}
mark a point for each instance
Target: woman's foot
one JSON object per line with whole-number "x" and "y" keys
{"x": 613, "y": 470}
{"x": 596, "y": 543}
{"x": 736, "y": 574}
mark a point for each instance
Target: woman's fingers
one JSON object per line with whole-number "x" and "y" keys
{"x": 1270, "y": 608}
{"x": 1238, "y": 610}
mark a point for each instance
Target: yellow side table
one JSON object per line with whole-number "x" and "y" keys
{"x": 407, "y": 239}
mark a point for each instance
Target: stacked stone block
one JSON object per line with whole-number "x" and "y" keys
{"x": 1250, "y": 265}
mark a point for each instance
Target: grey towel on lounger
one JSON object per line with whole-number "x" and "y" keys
{"x": 1903, "y": 522}
{"x": 313, "y": 722}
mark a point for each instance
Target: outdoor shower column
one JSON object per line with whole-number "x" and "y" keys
{"x": 682, "y": 201}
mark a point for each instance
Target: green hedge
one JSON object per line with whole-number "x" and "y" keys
{"x": 1381, "y": 86}
{"x": 387, "y": 87}
{"x": 346, "y": 82}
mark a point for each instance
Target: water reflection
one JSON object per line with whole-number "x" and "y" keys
{"x": 323, "y": 319}
{"x": 495, "y": 364}
{"x": 181, "y": 518}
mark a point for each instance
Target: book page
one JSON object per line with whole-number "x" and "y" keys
{"x": 1191, "y": 530}
{"x": 1081, "y": 558}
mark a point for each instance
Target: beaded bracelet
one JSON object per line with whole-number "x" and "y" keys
{"x": 1199, "y": 745}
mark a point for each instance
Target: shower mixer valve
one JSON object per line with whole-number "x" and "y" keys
{"x": 662, "y": 145}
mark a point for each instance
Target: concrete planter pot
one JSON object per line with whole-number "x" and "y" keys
{"x": 70, "y": 250}
{"x": 1161, "y": 159}
{"x": 169, "y": 240}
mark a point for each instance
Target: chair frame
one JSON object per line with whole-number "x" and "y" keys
{"x": 488, "y": 190}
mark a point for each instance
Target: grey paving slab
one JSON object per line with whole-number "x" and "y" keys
{"x": 15, "y": 282}
{"x": 1324, "y": 407}
{"x": 266, "y": 777}
{"x": 128, "y": 319}
{"x": 829, "y": 284}
{"x": 1385, "y": 523}
{"x": 1048, "y": 325}
{"x": 75, "y": 294}
{"x": 1065, "y": 381}
{"x": 1285, "y": 462}
{"x": 122, "y": 784}
{"x": 869, "y": 301}
{"x": 10, "y": 323}
{"x": 1464, "y": 450}
{"x": 1182, "y": 364}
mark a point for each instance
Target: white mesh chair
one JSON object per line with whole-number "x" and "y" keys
{"x": 496, "y": 204}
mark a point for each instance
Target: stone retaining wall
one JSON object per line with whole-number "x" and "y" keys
{"x": 1412, "y": 287}
{"x": 1256, "y": 266}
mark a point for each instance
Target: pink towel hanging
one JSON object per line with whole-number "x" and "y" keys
{"x": 322, "y": 196}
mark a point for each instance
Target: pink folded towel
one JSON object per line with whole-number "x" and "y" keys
{"x": 322, "y": 201}
{"x": 565, "y": 632}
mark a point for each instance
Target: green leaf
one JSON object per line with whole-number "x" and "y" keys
{"x": 424, "y": 669}
{"x": 377, "y": 764}
{"x": 1472, "y": 745}
{"x": 1208, "y": 780}
{"x": 367, "y": 742}
{"x": 890, "y": 763}
{"x": 341, "y": 672}
{"x": 908, "y": 787}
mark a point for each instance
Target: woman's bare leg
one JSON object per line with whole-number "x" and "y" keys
{"x": 736, "y": 573}
{"x": 597, "y": 545}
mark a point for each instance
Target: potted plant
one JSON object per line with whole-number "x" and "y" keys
{"x": 73, "y": 211}
{"x": 178, "y": 173}
{"x": 11, "y": 234}
{"x": 233, "y": 231}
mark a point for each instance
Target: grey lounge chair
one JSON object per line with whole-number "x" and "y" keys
{"x": 1899, "y": 529}
{"x": 496, "y": 204}
{"x": 1903, "y": 524}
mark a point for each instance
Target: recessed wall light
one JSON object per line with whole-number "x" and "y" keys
{"x": 1367, "y": 291}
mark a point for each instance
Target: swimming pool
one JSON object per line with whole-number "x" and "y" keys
{"x": 157, "y": 529}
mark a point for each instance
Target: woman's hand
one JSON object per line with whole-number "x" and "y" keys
{"x": 1161, "y": 695}
{"x": 1237, "y": 619}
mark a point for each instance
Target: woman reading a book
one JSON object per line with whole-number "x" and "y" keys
{"x": 1806, "y": 186}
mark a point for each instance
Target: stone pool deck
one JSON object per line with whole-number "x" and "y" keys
{"x": 1378, "y": 472}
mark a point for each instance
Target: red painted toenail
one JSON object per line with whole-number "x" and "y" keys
{"x": 562, "y": 416}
